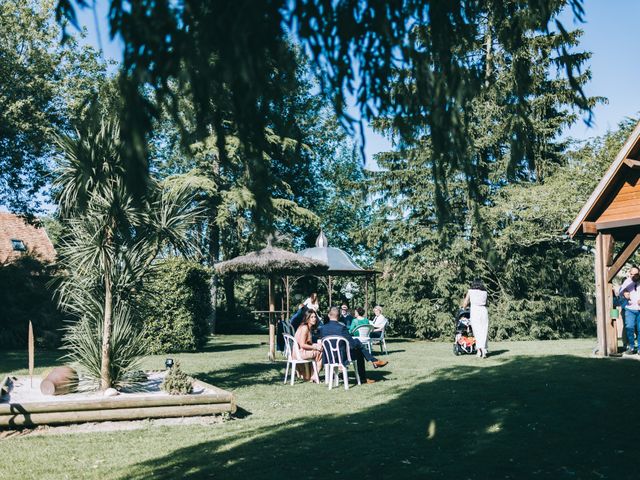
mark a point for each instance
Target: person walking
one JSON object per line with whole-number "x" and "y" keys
{"x": 476, "y": 299}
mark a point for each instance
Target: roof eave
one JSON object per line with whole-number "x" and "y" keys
{"x": 574, "y": 229}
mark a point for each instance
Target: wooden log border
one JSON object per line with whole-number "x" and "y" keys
{"x": 118, "y": 408}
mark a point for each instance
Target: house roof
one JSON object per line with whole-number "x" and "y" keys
{"x": 13, "y": 230}
{"x": 624, "y": 167}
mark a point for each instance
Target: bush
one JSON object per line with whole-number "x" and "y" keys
{"x": 176, "y": 382}
{"x": 25, "y": 295}
{"x": 174, "y": 306}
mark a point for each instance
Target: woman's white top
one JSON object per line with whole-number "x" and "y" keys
{"x": 310, "y": 305}
{"x": 477, "y": 298}
{"x": 379, "y": 322}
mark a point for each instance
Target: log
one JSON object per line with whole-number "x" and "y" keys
{"x": 61, "y": 380}
{"x": 52, "y": 418}
{"x": 114, "y": 403}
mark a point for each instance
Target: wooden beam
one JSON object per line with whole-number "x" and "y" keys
{"x": 589, "y": 228}
{"x": 631, "y": 163}
{"x": 628, "y": 250}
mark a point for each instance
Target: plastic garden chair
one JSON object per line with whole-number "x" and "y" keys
{"x": 380, "y": 341}
{"x": 364, "y": 332}
{"x": 292, "y": 352}
{"x": 334, "y": 346}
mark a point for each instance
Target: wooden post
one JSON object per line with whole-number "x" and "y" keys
{"x": 607, "y": 335}
{"x": 272, "y": 318}
{"x": 31, "y": 348}
{"x": 375, "y": 290}
{"x": 600, "y": 315}
{"x": 286, "y": 286}
{"x": 366, "y": 296}
{"x": 610, "y": 323}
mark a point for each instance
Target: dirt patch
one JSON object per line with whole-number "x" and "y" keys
{"x": 92, "y": 427}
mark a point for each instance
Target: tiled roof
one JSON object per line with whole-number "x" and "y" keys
{"x": 35, "y": 239}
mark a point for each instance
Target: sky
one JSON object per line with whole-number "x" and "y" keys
{"x": 609, "y": 33}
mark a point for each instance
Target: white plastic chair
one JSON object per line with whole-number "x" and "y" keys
{"x": 292, "y": 352}
{"x": 331, "y": 347}
{"x": 364, "y": 332}
{"x": 380, "y": 341}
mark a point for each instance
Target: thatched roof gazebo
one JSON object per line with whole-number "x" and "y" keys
{"x": 272, "y": 262}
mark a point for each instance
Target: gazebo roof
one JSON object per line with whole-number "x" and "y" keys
{"x": 271, "y": 260}
{"x": 339, "y": 261}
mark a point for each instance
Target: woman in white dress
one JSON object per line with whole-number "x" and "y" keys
{"x": 476, "y": 298}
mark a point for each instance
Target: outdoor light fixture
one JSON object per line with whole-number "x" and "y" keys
{"x": 168, "y": 363}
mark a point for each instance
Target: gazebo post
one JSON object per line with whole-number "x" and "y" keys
{"x": 330, "y": 284}
{"x": 375, "y": 290}
{"x": 272, "y": 317}
{"x": 366, "y": 295}
{"x": 286, "y": 286}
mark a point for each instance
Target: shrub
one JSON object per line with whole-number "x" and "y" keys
{"x": 176, "y": 382}
{"x": 174, "y": 306}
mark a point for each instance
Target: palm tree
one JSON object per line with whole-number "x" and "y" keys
{"x": 112, "y": 239}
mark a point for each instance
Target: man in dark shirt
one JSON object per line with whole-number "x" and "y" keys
{"x": 358, "y": 351}
{"x": 345, "y": 316}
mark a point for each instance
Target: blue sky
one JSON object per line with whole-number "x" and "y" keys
{"x": 609, "y": 33}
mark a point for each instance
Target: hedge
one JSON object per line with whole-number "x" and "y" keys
{"x": 175, "y": 305}
{"x": 27, "y": 293}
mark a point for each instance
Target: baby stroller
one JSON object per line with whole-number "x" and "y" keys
{"x": 465, "y": 343}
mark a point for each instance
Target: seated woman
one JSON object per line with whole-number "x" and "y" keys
{"x": 358, "y": 321}
{"x": 379, "y": 322}
{"x": 308, "y": 349}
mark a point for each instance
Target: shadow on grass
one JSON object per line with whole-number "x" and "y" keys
{"x": 226, "y": 347}
{"x": 550, "y": 417}
{"x": 497, "y": 353}
{"x": 244, "y": 374}
{"x": 15, "y": 360}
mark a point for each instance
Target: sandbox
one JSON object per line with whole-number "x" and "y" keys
{"x": 25, "y": 405}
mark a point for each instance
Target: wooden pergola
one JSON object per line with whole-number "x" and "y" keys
{"x": 611, "y": 216}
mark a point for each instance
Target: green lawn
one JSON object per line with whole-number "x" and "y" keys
{"x": 532, "y": 410}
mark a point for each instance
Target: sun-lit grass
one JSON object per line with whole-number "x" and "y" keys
{"x": 532, "y": 410}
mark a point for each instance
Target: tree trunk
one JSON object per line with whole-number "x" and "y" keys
{"x": 214, "y": 257}
{"x": 105, "y": 365}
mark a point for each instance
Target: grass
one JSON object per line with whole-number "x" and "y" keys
{"x": 532, "y": 410}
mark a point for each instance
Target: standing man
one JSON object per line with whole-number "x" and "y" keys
{"x": 345, "y": 315}
{"x": 358, "y": 350}
{"x": 631, "y": 294}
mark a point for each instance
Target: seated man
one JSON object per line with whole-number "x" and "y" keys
{"x": 345, "y": 317}
{"x": 379, "y": 322}
{"x": 358, "y": 351}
